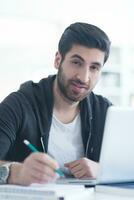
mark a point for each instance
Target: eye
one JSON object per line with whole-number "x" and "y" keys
{"x": 77, "y": 62}
{"x": 94, "y": 68}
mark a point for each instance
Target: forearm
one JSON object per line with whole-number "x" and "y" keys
{"x": 14, "y": 171}
{"x": 36, "y": 168}
{"x": 2, "y": 162}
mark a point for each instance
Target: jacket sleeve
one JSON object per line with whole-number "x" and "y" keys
{"x": 10, "y": 122}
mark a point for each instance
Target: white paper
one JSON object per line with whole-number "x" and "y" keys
{"x": 50, "y": 191}
{"x": 14, "y": 192}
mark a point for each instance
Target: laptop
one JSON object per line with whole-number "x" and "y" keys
{"x": 116, "y": 158}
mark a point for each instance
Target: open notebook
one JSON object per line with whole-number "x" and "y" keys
{"x": 116, "y": 159}
{"x": 50, "y": 191}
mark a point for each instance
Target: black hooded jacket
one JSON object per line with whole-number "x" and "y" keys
{"x": 27, "y": 114}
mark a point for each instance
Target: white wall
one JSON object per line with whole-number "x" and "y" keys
{"x": 30, "y": 30}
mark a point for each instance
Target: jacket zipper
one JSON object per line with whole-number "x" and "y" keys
{"x": 42, "y": 144}
{"x": 89, "y": 137}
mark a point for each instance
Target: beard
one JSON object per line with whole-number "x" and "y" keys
{"x": 65, "y": 87}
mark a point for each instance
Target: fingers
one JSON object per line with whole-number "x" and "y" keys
{"x": 79, "y": 174}
{"x": 43, "y": 169}
{"x": 45, "y": 159}
{"x": 40, "y": 177}
{"x": 37, "y": 168}
{"x": 75, "y": 168}
{"x": 83, "y": 168}
{"x": 72, "y": 164}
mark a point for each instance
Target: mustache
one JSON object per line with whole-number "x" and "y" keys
{"x": 80, "y": 83}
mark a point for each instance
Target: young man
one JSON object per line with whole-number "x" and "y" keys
{"x": 60, "y": 115}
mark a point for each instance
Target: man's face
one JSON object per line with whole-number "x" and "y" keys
{"x": 79, "y": 72}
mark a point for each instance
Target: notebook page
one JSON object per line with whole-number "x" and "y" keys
{"x": 68, "y": 191}
{"x": 14, "y": 192}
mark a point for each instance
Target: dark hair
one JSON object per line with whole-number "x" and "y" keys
{"x": 86, "y": 35}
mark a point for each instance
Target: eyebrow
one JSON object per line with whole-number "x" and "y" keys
{"x": 79, "y": 57}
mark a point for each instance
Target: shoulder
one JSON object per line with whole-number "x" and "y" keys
{"x": 96, "y": 104}
{"x": 37, "y": 90}
{"x": 43, "y": 83}
{"x": 99, "y": 106}
{"x": 99, "y": 100}
{"x": 30, "y": 92}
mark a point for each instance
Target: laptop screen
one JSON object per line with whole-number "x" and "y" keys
{"x": 117, "y": 152}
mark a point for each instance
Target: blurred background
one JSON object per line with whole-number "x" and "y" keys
{"x": 30, "y": 31}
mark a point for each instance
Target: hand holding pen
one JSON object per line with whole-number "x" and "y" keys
{"x": 36, "y": 168}
{"x": 33, "y": 149}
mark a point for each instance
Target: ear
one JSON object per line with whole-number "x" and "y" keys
{"x": 57, "y": 60}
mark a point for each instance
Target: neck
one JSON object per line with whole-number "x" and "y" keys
{"x": 64, "y": 109}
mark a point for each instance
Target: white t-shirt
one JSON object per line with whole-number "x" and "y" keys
{"x": 65, "y": 141}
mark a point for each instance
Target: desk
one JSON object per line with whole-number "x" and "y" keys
{"x": 100, "y": 196}
{"x": 68, "y": 191}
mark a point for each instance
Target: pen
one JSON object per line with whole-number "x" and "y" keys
{"x": 33, "y": 149}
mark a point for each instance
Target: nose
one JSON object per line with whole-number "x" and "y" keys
{"x": 84, "y": 74}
